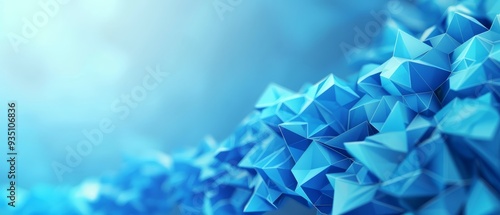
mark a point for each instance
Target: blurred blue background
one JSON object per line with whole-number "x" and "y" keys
{"x": 91, "y": 52}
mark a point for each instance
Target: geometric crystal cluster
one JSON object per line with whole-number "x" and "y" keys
{"x": 417, "y": 133}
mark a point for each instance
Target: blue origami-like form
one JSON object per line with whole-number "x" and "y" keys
{"x": 418, "y": 132}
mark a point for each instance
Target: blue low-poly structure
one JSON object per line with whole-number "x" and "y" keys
{"x": 416, "y": 133}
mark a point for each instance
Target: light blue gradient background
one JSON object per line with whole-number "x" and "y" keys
{"x": 93, "y": 51}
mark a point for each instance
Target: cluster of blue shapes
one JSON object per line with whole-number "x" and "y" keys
{"x": 418, "y": 132}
